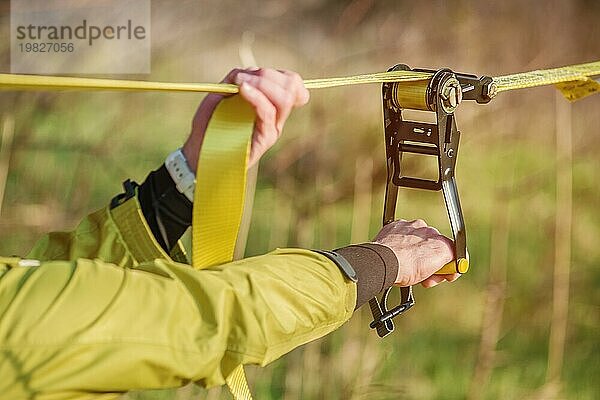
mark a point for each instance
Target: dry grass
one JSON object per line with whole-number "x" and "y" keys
{"x": 71, "y": 150}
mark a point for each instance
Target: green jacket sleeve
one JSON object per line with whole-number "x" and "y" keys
{"x": 117, "y": 313}
{"x": 119, "y": 236}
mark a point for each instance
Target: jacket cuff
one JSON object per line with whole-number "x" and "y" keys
{"x": 167, "y": 211}
{"x": 376, "y": 268}
{"x": 135, "y": 232}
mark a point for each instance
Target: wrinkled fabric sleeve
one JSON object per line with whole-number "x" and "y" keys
{"x": 108, "y": 311}
{"x": 119, "y": 236}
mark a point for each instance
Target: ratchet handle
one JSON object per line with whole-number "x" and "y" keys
{"x": 459, "y": 266}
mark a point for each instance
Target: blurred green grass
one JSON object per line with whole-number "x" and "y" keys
{"x": 71, "y": 150}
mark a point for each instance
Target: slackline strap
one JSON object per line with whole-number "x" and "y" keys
{"x": 573, "y": 81}
{"x": 222, "y": 168}
{"x": 219, "y": 198}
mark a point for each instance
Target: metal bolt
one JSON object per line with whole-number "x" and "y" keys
{"x": 491, "y": 90}
{"x": 450, "y": 153}
{"x": 451, "y": 95}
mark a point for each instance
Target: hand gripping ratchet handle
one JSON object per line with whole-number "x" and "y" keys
{"x": 441, "y": 95}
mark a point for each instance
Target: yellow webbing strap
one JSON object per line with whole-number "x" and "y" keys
{"x": 579, "y": 74}
{"x": 547, "y": 76}
{"x": 219, "y": 197}
{"x": 221, "y": 183}
{"x": 221, "y": 173}
{"x": 36, "y": 82}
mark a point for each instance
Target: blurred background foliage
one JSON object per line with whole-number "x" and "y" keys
{"x": 530, "y": 201}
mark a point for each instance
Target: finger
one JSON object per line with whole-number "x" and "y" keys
{"x": 283, "y": 98}
{"x": 268, "y": 73}
{"x": 433, "y": 281}
{"x": 265, "y": 110}
{"x": 265, "y": 133}
{"x": 230, "y": 77}
{"x": 418, "y": 223}
{"x": 429, "y": 232}
{"x": 432, "y": 231}
{"x": 444, "y": 248}
{"x": 437, "y": 279}
{"x": 264, "y": 74}
{"x": 451, "y": 277}
{"x": 288, "y": 80}
{"x": 291, "y": 92}
{"x": 399, "y": 225}
{"x": 302, "y": 93}
{"x": 284, "y": 78}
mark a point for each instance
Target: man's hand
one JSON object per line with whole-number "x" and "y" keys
{"x": 272, "y": 93}
{"x": 421, "y": 251}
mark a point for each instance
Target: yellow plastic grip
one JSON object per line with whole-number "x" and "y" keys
{"x": 455, "y": 266}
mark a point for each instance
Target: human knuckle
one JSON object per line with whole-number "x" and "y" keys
{"x": 288, "y": 99}
{"x": 289, "y": 84}
{"x": 418, "y": 222}
{"x": 261, "y": 84}
{"x": 390, "y": 227}
{"x": 431, "y": 231}
{"x": 435, "y": 237}
{"x": 386, "y": 228}
{"x": 293, "y": 77}
{"x": 261, "y": 72}
{"x": 446, "y": 245}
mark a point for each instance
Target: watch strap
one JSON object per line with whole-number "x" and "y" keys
{"x": 182, "y": 175}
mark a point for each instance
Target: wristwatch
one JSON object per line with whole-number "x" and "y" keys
{"x": 184, "y": 178}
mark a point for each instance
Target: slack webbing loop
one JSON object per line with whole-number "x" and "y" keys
{"x": 221, "y": 183}
{"x": 219, "y": 197}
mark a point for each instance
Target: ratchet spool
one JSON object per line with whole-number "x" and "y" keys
{"x": 421, "y": 95}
